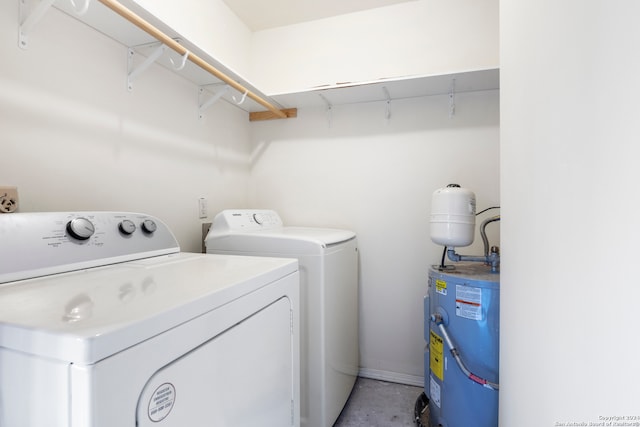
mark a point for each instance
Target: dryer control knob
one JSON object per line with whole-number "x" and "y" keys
{"x": 127, "y": 227}
{"x": 149, "y": 226}
{"x": 80, "y": 228}
{"x": 258, "y": 218}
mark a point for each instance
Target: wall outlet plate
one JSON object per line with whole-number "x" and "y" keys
{"x": 202, "y": 208}
{"x": 8, "y": 199}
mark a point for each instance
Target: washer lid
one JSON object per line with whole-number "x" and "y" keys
{"x": 283, "y": 240}
{"x": 262, "y": 231}
{"x": 85, "y": 316}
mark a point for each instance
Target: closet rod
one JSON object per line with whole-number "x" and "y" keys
{"x": 156, "y": 33}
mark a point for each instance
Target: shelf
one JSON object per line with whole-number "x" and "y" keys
{"x": 142, "y": 45}
{"x": 114, "y": 26}
{"x": 392, "y": 89}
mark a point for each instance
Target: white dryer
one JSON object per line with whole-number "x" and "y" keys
{"x": 104, "y": 323}
{"x": 328, "y": 263}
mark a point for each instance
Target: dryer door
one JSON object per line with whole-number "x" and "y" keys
{"x": 242, "y": 377}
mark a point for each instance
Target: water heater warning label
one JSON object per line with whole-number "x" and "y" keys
{"x": 469, "y": 302}
{"x": 441, "y": 287}
{"x": 436, "y": 354}
{"x": 161, "y": 402}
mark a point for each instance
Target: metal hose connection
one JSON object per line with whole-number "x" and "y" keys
{"x": 491, "y": 256}
{"x": 483, "y": 232}
{"x": 438, "y": 320}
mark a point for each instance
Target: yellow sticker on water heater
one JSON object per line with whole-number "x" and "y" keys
{"x": 441, "y": 287}
{"x": 436, "y": 354}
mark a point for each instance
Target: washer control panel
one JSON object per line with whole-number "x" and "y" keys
{"x": 38, "y": 244}
{"x": 245, "y": 220}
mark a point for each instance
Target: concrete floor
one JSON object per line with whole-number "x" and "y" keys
{"x": 376, "y": 403}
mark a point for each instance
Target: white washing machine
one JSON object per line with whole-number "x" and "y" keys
{"x": 104, "y": 323}
{"x": 328, "y": 263}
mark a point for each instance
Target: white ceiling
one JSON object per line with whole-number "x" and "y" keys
{"x": 260, "y": 14}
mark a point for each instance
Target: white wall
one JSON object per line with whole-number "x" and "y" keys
{"x": 569, "y": 181}
{"x": 371, "y": 176}
{"x": 73, "y": 138}
{"x": 376, "y": 178}
{"x": 423, "y": 37}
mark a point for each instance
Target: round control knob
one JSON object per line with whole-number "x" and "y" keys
{"x": 258, "y": 218}
{"x": 80, "y": 228}
{"x": 148, "y": 226}
{"x": 127, "y": 227}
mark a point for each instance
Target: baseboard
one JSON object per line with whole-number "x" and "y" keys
{"x": 393, "y": 377}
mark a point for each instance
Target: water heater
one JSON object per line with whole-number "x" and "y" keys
{"x": 461, "y": 318}
{"x": 453, "y": 216}
{"x": 462, "y": 327}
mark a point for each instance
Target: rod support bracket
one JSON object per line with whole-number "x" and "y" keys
{"x": 132, "y": 71}
{"x": 452, "y": 99}
{"x": 387, "y": 114}
{"x": 329, "y": 109}
{"x": 29, "y": 18}
{"x": 202, "y": 94}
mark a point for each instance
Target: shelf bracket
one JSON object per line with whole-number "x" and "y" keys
{"x": 452, "y": 99}
{"x": 329, "y": 107}
{"x": 29, "y": 20}
{"x": 215, "y": 98}
{"x": 133, "y": 73}
{"x": 387, "y": 114}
